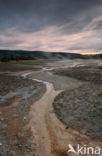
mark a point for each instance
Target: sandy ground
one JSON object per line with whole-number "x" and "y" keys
{"x": 48, "y": 130}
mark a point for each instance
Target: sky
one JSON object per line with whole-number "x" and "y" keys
{"x": 51, "y": 25}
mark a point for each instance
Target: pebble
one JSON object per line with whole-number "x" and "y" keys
{"x": 0, "y": 144}
{"x": 0, "y": 113}
{"x": 25, "y": 118}
{"x": 13, "y": 153}
{"x": 2, "y": 119}
{"x": 67, "y": 127}
{"x": 4, "y": 126}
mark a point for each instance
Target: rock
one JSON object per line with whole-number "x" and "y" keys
{"x": 67, "y": 127}
{"x": 13, "y": 153}
{"x": 2, "y": 119}
{"x": 4, "y": 126}
{"x": 0, "y": 113}
{"x": 0, "y": 143}
{"x": 25, "y": 118}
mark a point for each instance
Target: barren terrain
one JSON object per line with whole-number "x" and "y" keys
{"x": 16, "y": 96}
{"x": 40, "y": 121}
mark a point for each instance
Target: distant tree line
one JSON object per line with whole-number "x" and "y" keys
{"x": 87, "y": 57}
{"x": 17, "y": 58}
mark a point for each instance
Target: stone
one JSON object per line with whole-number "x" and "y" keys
{"x": 25, "y": 118}
{"x": 2, "y": 119}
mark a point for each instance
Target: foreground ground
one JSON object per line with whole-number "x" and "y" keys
{"x": 81, "y": 108}
{"x": 28, "y": 122}
{"x": 16, "y": 96}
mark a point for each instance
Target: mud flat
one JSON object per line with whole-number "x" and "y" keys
{"x": 16, "y": 97}
{"x": 92, "y": 73}
{"x": 53, "y": 135}
{"x": 81, "y": 108}
{"x": 30, "y": 113}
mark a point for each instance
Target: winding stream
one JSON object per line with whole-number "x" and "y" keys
{"x": 50, "y": 133}
{"x": 51, "y": 136}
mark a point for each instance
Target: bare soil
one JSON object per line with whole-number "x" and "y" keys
{"x": 28, "y": 122}
{"x": 51, "y": 134}
{"x": 84, "y": 73}
{"x": 81, "y": 108}
{"x": 12, "y": 67}
{"x": 16, "y": 97}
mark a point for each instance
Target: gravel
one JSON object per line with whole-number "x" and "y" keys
{"x": 16, "y": 96}
{"x": 81, "y": 108}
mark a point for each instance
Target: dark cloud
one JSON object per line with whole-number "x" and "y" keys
{"x": 36, "y": 14}
{"x": 69, "y": 16}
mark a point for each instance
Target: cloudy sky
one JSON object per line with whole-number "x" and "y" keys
{"x": 51, "y": 25}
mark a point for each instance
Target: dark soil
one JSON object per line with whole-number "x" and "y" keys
{"x": 12, "y": 67}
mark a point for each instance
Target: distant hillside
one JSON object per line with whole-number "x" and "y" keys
{"x": 34, "y": 54}
{"x": 6, "y": 55}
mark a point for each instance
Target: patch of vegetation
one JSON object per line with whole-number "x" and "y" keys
{"x": 100, "y": 67}
{"x": 85, "y": 57}
{"x": 95, "y": 107}
{"x": 17, "y": 58}
{"x": 98, "y": 56}
{"x": 90, "y": 106}
{"x": 4, "y": 59}
{"x": 100, "y": 93}
{"x": 98, "y": 112}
